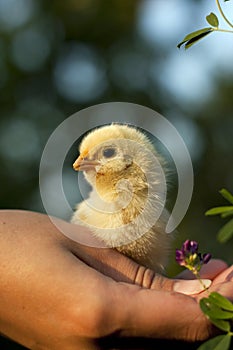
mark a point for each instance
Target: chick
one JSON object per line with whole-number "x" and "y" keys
{"x": 125, "y": 208}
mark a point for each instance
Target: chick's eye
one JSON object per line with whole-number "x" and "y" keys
{"x": 109, "y": 152}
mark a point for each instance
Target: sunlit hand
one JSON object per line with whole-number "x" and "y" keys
{"x": 58, "y": 294}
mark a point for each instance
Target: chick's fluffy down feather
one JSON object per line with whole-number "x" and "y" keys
{"x": 125, "y": 208}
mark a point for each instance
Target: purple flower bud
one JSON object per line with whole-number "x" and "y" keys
{"x": 186, "y": 246}
{"x": 193, "y": 247}
{"x": 206, "y": 258}
{"x": 189, "y": 256}
{"x": 190, "y": 247}
{"x": 180, "y": 257}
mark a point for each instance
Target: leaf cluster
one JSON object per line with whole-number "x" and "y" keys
{"x": 193, "y": 37}
{"x": 213, "y": 21}
{"x": 219, "y": 310}
{"x": 226, "y": 232}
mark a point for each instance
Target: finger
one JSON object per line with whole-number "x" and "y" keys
{"x": 123, "y": 269}
{"x": 210, "y": 270}
{"x": 116, "y": 265}
{"x": 109, "y": 262}
{"x": 158, "y": 314}
{"x": 225, "y": 276}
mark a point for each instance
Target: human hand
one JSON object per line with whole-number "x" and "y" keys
{"x": 58, "y": 294}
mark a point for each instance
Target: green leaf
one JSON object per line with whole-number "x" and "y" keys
{"x": 226, "y": 232}
{"x": 212, "y": 19}
{"x": 226, "y": 214}
{"x": 213, "y": 311}
{"x": 193, "y": 37}
{"x": 221, "y": 342}
{"x": 221, "y": 301}
{"x": 227, "y": 195}
{"x": 194, "y": 40}
{"x": 221, "y": 324}
{"x": 219, "y": 210}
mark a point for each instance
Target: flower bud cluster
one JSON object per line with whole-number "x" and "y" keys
{"x": 189, "y": 257}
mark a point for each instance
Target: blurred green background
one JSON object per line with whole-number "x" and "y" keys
{"x": 59, "y": 57}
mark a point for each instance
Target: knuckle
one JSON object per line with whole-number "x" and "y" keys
{"x": 163, "y": 283}
{"x": 144, "y": 277}
{"x": 200, "y": 329}
{"x": 147, "y": 278}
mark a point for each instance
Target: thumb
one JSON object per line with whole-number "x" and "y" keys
{"x": 119, "y": 267}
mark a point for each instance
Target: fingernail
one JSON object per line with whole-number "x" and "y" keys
{"x": 190, "y": 287}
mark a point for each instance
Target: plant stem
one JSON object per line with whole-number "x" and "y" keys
{"x": 223, "y": 30}
{"x": 196, "y": 274}
{"x": 202, "y": 283}
{"x": 223, "y": 15}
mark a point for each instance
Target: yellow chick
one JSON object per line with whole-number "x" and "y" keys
{"x": 125, "y": 208}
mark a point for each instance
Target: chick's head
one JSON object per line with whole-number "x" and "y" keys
{"x": 115, "y": 158}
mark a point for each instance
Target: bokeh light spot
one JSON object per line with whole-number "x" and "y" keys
{"x": 129, "y": 70}
{"x": 15, "y": 13}
{"x": 30, "y": 49}
{"x": 19, "y": 141}
{"x": 79, "y": 74}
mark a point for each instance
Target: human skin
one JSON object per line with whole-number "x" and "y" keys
{"x": 59, "y": 294}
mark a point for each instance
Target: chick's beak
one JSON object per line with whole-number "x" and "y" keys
{"x": 83, "y": 163}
